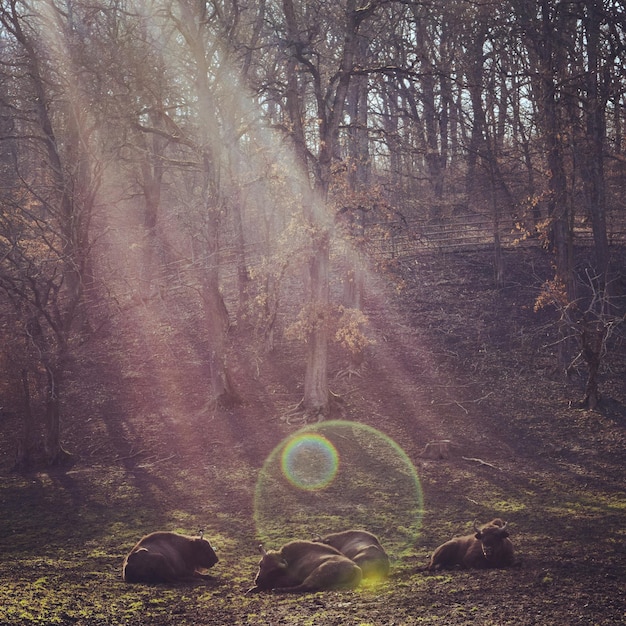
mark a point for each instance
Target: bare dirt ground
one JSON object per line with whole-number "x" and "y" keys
{"x": 453, "y": 359}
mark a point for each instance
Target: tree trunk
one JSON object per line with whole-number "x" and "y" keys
{"x": 357, "y": 136}
{"x": 593, "y": 156}
{"x": 54, "y": 452}
{"x": 592, "y": 337}
{"x": 316, "y": 375}
{"x": 358, "y": 181}
{"x": 192, "y": 28}
{"x": 498, "y": 258}
{"x": 430, "y": 114}
{"x": 551, "y": 65}
{"x": 217, "y": 320}
{"x": 330, "y": 103}
{"x": 477, "y": 154}
{"x": 559, "y": 235}
{"x": 27, "y": 443}
{"x": 545, "y": 28}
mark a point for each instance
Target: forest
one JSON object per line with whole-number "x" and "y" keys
{"x": 395, "y": 224}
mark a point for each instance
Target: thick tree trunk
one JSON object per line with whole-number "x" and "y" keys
{"x": 593, "y": 157}
{"x": 316, "y": 375}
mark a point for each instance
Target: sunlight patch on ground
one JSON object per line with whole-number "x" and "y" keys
{"x": 507, "y": 506}
{"x": 587, "y": 508}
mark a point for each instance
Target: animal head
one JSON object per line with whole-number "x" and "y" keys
{"x": 491, "y": 536}
{"x": 204, "y": 552}
{"x": 273, "y": 568}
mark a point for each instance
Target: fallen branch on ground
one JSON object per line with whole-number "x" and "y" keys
{"x": 480, "y": 462}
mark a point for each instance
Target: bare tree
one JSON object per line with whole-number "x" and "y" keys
{"x": 45, "y": 227}
{"x": 592, "y": 157}
{"x": 193, "y": 23}
{"x": 591, "y": 321}
{"x": 329, "y": 88}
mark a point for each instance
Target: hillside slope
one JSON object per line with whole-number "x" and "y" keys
{"x": 452, "y": 358}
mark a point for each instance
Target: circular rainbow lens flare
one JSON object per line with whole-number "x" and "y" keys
{"x": 334, "y": 476}
{"x": 309, "y": 461}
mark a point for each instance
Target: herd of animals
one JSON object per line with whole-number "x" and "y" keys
{"x": 337, "y": 561}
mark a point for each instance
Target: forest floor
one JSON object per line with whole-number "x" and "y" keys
{"x": 453, "y": 358}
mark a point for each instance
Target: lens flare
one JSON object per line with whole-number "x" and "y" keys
{"x": 337, "y": 475}
{"x": 309, "y": 461}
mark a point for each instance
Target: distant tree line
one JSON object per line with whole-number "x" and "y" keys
{"x": 264, "y": 132}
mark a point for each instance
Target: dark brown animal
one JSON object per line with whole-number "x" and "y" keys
{"x": 164, "y": 557}
{"x": 488, "y": 547}
{"x": 363, "y": 548}
{"x": 305, "y": 566}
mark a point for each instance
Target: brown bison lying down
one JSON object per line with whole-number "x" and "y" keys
{"x": 164, "y": 557}
{"x": 363, "y": 548}
{"x": 305, "y": 566}
{"x": 488, "y": 547}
